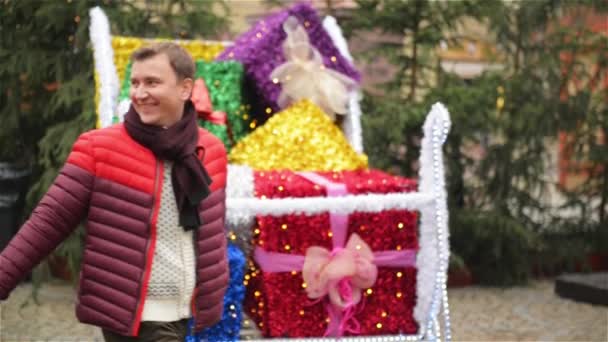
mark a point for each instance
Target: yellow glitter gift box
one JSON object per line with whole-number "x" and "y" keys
{"x": 300, "y": 138}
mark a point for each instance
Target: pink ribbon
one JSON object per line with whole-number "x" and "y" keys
{"x": 340, "y": 274}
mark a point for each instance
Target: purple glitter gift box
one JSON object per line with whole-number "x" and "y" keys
{"x": 260, "y": 51}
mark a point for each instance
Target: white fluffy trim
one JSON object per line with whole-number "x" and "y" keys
{"x": 314, "y": 205}
{"x": 434, "y": 236}
{"x": 103, "y": 55}
{"x": 351, "y": 125}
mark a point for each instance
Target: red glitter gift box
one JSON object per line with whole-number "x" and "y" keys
{"x": 278, "y": 299}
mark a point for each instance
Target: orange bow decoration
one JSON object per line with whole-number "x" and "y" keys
{"x": 202, "y": 103}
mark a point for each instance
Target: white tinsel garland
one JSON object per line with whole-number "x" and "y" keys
{"x": 434, "y": 240}
{"x": 239, "y": 222}
{"x": 372, "y": 203}
{"x": 104, "y": 66}
{"x": 351, "y": 125}
{"x": 330, "y": 24}
{"x": 122, "y": 109}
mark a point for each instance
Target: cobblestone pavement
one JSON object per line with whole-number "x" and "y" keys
{"x": 531, "y": 313}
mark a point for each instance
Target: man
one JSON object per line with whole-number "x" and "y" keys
{"x": 152, "y": 191}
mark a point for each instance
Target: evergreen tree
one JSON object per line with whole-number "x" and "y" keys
{"x": 497, "y": 195}
{"x": 417, "y": 28}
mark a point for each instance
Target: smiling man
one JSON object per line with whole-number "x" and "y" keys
{"x": 152, "y": 193}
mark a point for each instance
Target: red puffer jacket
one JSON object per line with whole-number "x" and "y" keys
{"x": 115, "y": 183}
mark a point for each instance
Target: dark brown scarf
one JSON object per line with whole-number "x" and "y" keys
{"x": 177, "y": 143}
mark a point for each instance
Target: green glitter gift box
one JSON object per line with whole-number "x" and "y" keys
{"x": 224, "y": 82}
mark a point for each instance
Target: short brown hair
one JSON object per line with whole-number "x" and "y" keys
{"x": 179, "y": 58}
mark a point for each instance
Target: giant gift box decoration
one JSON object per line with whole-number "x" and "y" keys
{"x": 261, "y": 50}
{"x": 332, "y": 274}
{"x": 224, "y": 81}
{"x": 301, "y": 137}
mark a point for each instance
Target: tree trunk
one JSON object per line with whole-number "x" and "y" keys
{"x": 414, "y": 67}
{"x": 456, "y": 175}
{"x": 604, "y": 195}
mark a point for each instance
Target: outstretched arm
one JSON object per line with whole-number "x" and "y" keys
{"x": 56, "y": 216}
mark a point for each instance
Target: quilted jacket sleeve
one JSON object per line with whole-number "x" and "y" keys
{"x": 56, "y": 216}
{"x": 212, "y": 262}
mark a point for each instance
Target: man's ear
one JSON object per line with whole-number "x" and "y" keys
{"x": 186, "y": 91}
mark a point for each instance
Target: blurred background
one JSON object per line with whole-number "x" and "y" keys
{"x": 526, "y": 83}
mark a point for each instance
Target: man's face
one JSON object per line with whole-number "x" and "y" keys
{"x": 156, "y": 93}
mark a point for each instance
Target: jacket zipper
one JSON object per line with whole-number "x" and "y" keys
{"x": 150, "y": 244}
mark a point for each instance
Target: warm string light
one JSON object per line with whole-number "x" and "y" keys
{"x": 500, "y": 100}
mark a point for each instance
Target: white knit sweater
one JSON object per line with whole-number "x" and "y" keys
{"x": 172, "y": 277}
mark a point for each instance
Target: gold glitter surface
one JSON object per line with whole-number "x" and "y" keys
{"x": 300, "y": 138}
{"x": 124, "y": 47}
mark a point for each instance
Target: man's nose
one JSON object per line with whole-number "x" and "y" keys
{"x": 139, "y": 93}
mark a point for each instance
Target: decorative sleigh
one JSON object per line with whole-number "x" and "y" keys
{"x": 245, "y": 210}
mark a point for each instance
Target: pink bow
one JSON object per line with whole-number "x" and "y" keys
{"x": 341, "y": 274}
